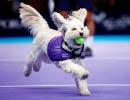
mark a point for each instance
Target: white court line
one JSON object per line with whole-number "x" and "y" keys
{"x": 93, "y": 58}
{"x": 66, "y": 85}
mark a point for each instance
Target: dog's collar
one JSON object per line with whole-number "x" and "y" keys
{"x": 78, "y": 52}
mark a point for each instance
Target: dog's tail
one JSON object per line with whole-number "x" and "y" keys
{"x": 31, "y": 19}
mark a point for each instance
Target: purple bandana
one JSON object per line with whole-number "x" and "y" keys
{"x": 57, "y": 53}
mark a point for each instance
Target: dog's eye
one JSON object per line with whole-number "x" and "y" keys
{"x": 81, "y": 28}
{"x": 73, "y": 29}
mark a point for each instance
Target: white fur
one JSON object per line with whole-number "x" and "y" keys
{"x": 69, "y": 29}
{"x": 80, "y": 14}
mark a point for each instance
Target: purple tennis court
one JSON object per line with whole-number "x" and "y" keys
{"x": 109, "y": 74}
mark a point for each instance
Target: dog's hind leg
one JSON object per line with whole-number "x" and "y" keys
{"x": 28, "y": 66}
{"x": 37, "y": 66}
{"x": 32, "y": 61}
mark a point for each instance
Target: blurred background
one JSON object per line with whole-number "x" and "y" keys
{"x": 111, "y": 17}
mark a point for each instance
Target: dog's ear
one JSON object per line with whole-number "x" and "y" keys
{"x": 80, "y": 14}
{"x": 58, "y": 19}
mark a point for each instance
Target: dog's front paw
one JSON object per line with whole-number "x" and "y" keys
{"x": 78, "y": 71}
{"x": 84, "y": 92}
{"x": 27, "y": 71}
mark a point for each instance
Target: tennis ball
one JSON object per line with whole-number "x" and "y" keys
{"x": 79, "y": 40}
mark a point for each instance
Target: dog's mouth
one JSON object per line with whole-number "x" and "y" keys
{"x": 75, "y": 43}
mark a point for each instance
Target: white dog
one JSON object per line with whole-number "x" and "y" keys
{"x": 59, "y": 46}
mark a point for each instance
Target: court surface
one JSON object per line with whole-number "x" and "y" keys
{"x": 109, "y": 73}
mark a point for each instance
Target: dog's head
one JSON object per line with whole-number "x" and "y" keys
{"x": 72, "y": 27}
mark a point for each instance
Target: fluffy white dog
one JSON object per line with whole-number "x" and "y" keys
{"x": 59, "y": 47}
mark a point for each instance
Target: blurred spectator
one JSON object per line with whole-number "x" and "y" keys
{"x": 10, "y": 24}
{"x": 112, "y": 16}
{"x": 8, "y": 8}
{"x": 42, "y": 6}
{"x": 5, "y": 8}
{"x": 65, "y": 6}
{"x": 113, "y": 7}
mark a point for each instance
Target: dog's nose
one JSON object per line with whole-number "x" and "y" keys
{"x": 81, "y": 34}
